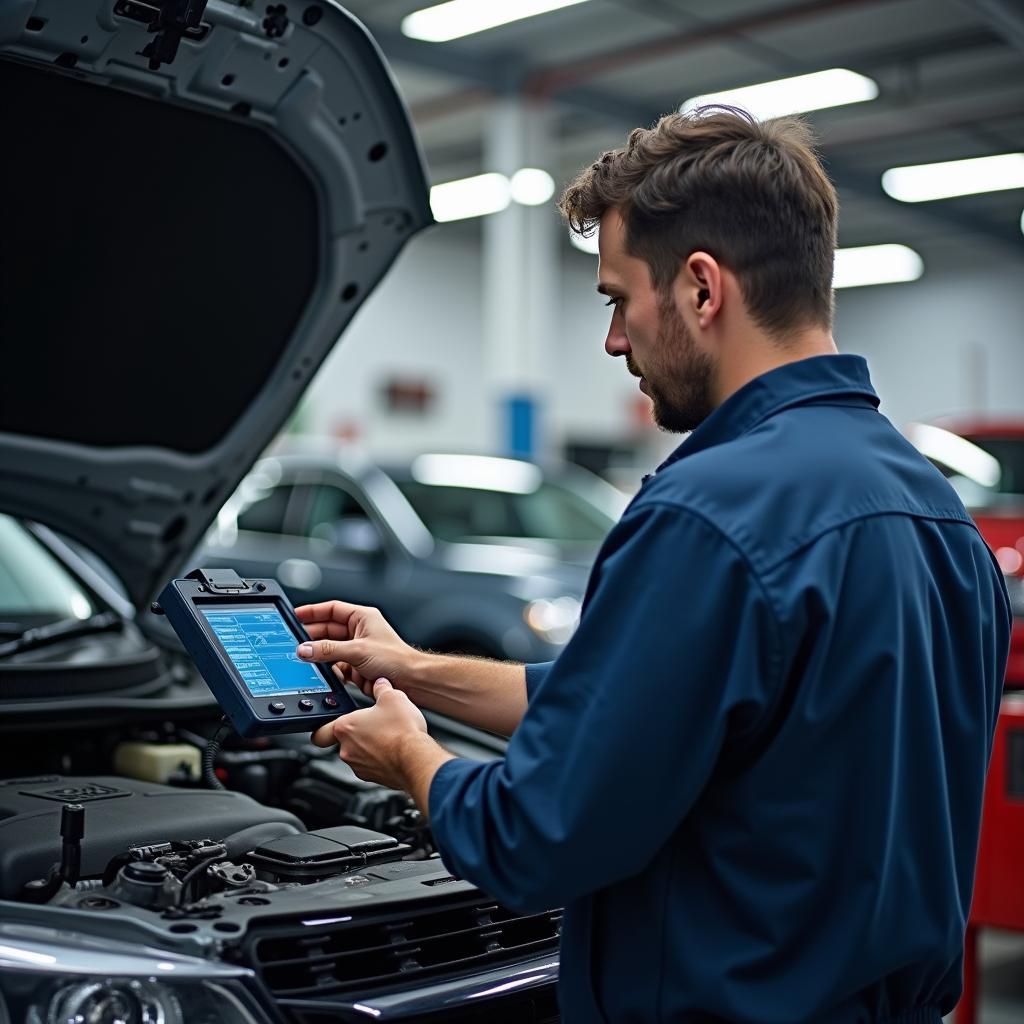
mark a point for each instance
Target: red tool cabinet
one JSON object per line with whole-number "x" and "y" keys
{"x": 999, "y": 884}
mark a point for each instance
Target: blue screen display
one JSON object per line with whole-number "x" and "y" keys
{"x": 262, "y": 648}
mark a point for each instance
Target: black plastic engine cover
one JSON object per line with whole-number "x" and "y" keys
{"x": 325, "y": 853}
{"x": 118, "y": 813}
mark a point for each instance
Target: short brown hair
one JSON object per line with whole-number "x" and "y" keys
{"x": 752, "y": 194}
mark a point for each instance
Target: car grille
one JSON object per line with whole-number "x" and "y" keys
{"x": 297, "y": 962}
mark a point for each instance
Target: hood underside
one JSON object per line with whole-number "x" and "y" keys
{"x": 181, "y": 248}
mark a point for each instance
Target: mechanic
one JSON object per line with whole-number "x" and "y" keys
{"x": 754, "y": 775}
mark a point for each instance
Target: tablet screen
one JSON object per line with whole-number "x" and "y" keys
{"x": 262, "y": 648}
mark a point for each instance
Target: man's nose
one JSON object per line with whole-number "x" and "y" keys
{"x": 617, "y": 344}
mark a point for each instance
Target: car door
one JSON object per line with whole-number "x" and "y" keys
{"x": 344, "y": 550}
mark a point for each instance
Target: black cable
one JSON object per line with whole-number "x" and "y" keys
{"x": 194, "y": 872}
{"x": 210, "y": 755}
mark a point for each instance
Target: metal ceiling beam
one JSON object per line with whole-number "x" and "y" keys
{"x": 553, "y": 80}
{"x": 1005, "y": 17}
{"x": 510, "y": 73}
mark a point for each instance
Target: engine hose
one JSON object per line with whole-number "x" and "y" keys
{"x": 210, "y": 755}
{"x": 194, "y": 873}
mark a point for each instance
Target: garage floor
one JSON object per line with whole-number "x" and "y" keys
{"x": 1002, "y": 978}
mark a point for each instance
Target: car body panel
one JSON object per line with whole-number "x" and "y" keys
{"x": 225, "y": 216}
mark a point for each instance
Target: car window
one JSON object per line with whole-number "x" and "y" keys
{"x": 1009, "y": 453}
{"x": 266, "y": 514}
{"x": 550, "y": 512}
{"x": 339, "y": 518}
{"x": 34, "y": 587}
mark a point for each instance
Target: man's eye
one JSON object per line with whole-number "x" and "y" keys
{"x": 613, "y": 301}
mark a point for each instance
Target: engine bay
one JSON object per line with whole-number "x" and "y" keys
{"x": 324, "y": 886}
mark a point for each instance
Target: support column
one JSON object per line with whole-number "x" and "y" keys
{"x": 520, "y": 286}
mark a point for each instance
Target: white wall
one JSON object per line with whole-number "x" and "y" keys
{"x": 948, "y": 343}
{"x": 422, "y": 322}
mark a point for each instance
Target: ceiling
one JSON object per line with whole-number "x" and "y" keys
{"x": 950, "y": 76}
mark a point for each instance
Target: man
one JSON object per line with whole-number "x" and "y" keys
{"x": 754, "y": 776}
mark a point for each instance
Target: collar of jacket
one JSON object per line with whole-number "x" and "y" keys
{"x": 799, "y": 383}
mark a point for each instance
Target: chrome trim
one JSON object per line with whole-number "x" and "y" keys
{"x": 458, "y": 993}
{"x": 38, "y": 950}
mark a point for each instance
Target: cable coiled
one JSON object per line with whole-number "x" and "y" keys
{"x": 210, "y": 755}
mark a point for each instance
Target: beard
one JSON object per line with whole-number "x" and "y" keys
{"x": 679, "y": 376}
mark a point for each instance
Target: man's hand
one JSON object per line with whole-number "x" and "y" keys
{"x": 362, "y": 647}
{"x": 387, "y": 743}
{"x": 358, "y": 642}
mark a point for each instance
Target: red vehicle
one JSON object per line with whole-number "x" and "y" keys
{"x": 984, "y": 460}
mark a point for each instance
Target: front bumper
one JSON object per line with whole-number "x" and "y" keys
{"x": 485, "y": 995}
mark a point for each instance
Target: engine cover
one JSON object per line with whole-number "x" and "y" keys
{"x": 119, "y": 813}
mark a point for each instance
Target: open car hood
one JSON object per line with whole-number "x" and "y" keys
{"x": 181, "y": 247}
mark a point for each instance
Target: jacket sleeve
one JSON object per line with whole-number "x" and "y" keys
{"x": 535, "y": 675}
{"x": 677, "y": 649}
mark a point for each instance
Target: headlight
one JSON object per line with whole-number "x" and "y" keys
{"x": 554, "y": 621}
{"x": 58, "y": 977}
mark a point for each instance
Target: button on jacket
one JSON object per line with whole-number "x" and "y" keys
{"x": 754, "y": 775}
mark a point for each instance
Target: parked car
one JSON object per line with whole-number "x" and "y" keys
{"x": 984, "y": 461}
{"x": 462, "y": 553}
{"x": 196, "y": 202}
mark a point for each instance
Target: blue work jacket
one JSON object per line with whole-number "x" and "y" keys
{"x": 754, "y": 775}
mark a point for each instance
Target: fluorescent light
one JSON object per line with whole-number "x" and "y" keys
{"x": 876, "y": 264}
{"x": 921, "y": 182}
{"x": 470, "y": 197}
{"x": 459, "y": 18}
{"x": 956, "y": 453}
{"x": 531, "y": 186}
{"x": 585, "y": 243}
{"x": 855, "y": 267}
{"x": 484, "y": 472}
{"x": 833, "y": 88}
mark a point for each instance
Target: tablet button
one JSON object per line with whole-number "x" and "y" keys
{"x": 306, "y": 704}
{"x": 330, "y": 702}
{"x": 278, "y": 707}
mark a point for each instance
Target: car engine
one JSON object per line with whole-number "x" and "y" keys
{"x": 328, "y": 889}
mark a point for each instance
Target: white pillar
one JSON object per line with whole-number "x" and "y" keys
{"x": 520, "y": 285}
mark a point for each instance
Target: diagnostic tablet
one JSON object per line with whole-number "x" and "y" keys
{"x": 242, "y": 635}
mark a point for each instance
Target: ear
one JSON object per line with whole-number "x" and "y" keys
{"x": 698, "y": 288}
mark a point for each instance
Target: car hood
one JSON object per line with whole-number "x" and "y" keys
{"x": 182, "y": 246}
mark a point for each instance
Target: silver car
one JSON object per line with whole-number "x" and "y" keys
{"x": 463, "y": 553}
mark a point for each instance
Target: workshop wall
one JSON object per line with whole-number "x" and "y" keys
{"x": 948, "y": 343}
{"x": 422, "y": 323}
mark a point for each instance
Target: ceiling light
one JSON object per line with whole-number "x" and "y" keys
{"x": 585, "y": 243}
{"x": 470, "y": 197}
{"x": 922, "y": 182}
{"x": 459, "y": 18}
{"x": 531, "y": 186}
{"x": 833, "y": 88}
{"x": 876, "y": 264}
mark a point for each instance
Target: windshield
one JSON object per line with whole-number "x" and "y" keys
{"x": 1009, "y": 453}
{"x": 466, "y": 514}
{"x": 987, "y": 472}
{"x": 35, "y": 589}
{"x": 1003, "y": 488}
